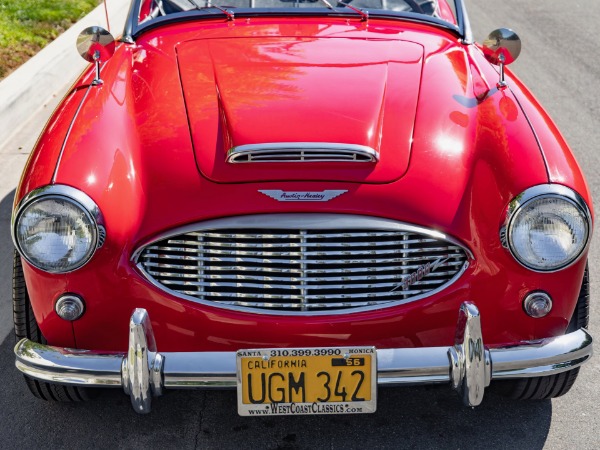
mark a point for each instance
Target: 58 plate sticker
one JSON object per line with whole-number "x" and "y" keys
{"x": 331, "y": 380}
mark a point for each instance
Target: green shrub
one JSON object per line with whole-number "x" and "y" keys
{"x": 26, "y": 26}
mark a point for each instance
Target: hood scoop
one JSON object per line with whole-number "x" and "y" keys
{"x": 343, "y": 107}
{"x": 302, "y": 152}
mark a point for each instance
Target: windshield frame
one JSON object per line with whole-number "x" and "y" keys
{"x": 133, "y": 28}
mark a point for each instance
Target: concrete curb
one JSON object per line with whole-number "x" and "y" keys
{"x": 25, "y": 92}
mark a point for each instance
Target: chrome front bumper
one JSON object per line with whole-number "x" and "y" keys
{"x": 143, "y": 372}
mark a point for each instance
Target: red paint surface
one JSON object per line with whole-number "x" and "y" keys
{"x": 454, "y": 152}
{"x": 301, "y": 89}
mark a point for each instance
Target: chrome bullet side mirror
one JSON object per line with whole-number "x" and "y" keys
{"x": 95, "y": 44}
{"x": 502, "y": 47}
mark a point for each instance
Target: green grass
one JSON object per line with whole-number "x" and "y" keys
{"x": 26, "y": 26}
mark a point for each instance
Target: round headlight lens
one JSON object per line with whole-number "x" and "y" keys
{"x": 56, "y": 234}
{"x": 548, "y": 232}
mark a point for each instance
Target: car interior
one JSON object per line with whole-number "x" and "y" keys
{"x": 164, "y": 7}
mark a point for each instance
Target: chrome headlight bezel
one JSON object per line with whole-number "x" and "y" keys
{"x": 537, "y": 193}
{"x": 76, "y": 198}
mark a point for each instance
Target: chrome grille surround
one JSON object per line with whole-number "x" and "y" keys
{"x": 309, "y": 264}
{"x": 301, "y": 152}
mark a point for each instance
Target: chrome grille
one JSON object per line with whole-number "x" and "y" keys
{"x": 304, "y": 269}
{"x": 301, "y": 152}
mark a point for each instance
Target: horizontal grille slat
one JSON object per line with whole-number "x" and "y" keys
{"x": 291, "y": 244}
{"x": 288, "y": 286}
{"x": 336, "y": 305}
{"x": 297, "y": 255}
{"x": 280, "y": 261}
{"x": 294, "y": 236}
{"x": 216, "y": 295}
{"x": 299, "y": 270}
{"x": 288, "y": 279}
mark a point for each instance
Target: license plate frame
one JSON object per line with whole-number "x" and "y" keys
{"x": 324, "y": 375}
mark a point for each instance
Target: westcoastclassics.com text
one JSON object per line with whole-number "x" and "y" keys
{"x": 304, "y": 408}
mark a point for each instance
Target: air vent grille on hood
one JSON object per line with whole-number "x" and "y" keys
{"x": 301, "y": 152}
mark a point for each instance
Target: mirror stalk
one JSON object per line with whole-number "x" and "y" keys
{"x": 97, "y": 80}
{"x": 502, "y": 83}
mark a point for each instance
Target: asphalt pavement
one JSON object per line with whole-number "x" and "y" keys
{"x": 560, "y": 64}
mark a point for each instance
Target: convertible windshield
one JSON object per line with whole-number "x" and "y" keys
{"x": 151, "y": 10}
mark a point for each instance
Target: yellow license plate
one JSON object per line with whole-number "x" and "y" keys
{"x": 290, "y": 381}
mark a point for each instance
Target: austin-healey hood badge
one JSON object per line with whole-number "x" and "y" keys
{"x": 288, "y": 196}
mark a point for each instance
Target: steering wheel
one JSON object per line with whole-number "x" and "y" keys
{"x": 415, "y": 6}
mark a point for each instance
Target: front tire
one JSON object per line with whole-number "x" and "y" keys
{"x": 27, "y": 327}
{"x": 552, "y": 386}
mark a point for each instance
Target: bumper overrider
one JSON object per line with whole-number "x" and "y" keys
{"x": 143, "y": 372}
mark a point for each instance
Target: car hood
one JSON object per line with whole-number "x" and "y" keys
{"x": 302, "y": 92}
{"x": 130, "y": 147}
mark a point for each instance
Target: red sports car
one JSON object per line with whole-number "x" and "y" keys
{"x": 302, "y": 200}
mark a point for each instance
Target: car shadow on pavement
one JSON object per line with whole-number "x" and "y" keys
{"x": 418, "y": 417}
{"x": 423, "y": 417}
{"x": 6, "y": 259}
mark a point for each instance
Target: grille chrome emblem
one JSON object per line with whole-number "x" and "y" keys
{"x": 289, "y": 196}
{"x": 421, "y": 272}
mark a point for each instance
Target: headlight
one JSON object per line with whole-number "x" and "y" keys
{"x": 548, "y": 227}
{"x": 56, "y": 229}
